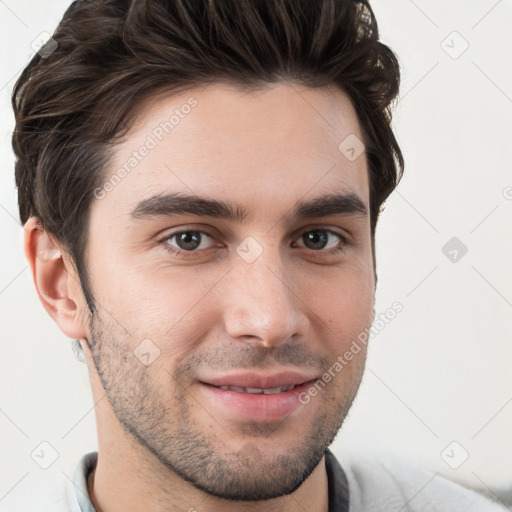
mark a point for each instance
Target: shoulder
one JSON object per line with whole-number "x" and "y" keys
{"x": 46, "y": 495}
{"x": 384, "y": 481}
{"x": 58, "y": 494}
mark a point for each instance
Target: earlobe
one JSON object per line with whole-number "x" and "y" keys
{"x": 56, "y": 287}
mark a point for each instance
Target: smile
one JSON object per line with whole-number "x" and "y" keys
{"x": 256, "y": 391}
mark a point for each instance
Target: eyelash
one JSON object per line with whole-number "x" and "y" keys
{"x": 341, "y": 248}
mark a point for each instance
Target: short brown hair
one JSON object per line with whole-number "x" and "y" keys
{"x": 74, "y": 103}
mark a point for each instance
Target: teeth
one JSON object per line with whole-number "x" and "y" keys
{"x": 258, "y": 391}
{"x": 252, "y": 390}
{"x": 271, "y": 391}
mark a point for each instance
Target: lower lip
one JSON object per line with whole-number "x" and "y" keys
{"x": 256, "y": 407}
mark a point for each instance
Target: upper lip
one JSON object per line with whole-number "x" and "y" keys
{"x": 259, "y": 380}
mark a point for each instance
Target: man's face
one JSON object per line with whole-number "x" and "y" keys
{"x": 197, "y": 314}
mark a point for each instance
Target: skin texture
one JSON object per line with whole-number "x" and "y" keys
{"x": 163, "y": 444}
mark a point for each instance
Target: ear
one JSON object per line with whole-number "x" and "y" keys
{"x": 56, "y": 281}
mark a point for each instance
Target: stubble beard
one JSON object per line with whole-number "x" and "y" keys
{"x": 206, "y": 460}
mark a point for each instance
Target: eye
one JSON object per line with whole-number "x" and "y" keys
{"x": 323, "y": 240}
{"x": 187, "y": 241}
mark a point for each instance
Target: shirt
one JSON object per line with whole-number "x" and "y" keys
{"x": 363, "y": 484}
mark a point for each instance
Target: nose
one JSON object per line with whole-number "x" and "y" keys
{"x": 264, "y": 305}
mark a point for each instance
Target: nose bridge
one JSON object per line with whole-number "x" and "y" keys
{"x": 262, "y": 305}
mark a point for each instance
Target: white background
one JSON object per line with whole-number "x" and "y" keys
{"x": 440, "y": 371}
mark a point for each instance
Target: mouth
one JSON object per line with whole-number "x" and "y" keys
{"x": 257, "y": 383}
{"x": 257, "y": 391}
{"x": 257, "y": 397}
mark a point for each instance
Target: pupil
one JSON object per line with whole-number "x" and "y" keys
{"x": 188, "y": 240}
{"x": 318, "y": 238}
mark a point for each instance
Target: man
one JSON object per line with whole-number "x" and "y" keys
{"x": 200, "y": 184}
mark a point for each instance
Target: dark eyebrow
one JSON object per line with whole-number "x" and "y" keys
{"x": 176, "y": 203}
{"x": 330, "y": 204}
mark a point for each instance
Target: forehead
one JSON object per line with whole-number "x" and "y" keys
{"x": 270, "y": 146}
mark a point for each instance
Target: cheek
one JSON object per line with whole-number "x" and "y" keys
{"x": 343, "y": 295}
{"x": 168, "y": 308}
{"x": 342, "y": 309}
